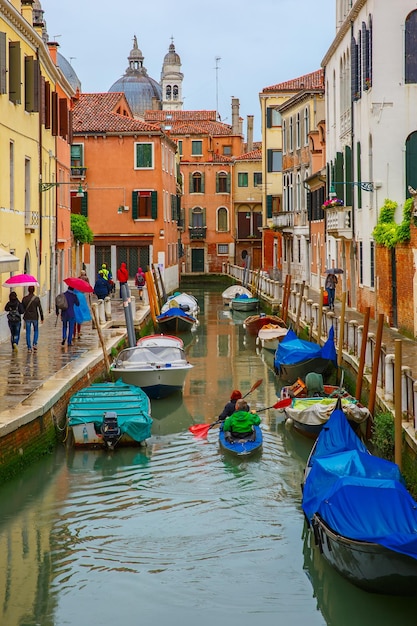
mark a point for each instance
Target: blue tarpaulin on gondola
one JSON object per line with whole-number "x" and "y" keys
{"x": 175, "y": 312}
{"x": 294, "y": 350}
{"x": 358, "y": 495}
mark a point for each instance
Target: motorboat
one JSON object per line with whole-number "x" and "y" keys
{"x": 109, "y": 414}
{"x": 159, "y": 369}
{"x": 233, "y": 291}
{"x": 270, "y": 335}
{"x": 179, "y": 314}
{"x": 170, "y": 341}
{"x": 244, "y": 302}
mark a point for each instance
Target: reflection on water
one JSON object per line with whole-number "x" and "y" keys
{"x": 176, "y": 533}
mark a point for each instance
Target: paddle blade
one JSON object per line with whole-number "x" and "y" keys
{"x": 281, "y": 404}
{"x": 200, "y": 430}
{"x": 256, "y": 385}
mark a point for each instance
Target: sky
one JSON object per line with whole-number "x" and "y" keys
{"x": 257, "y": 44}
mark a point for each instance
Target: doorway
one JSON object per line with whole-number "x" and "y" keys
{"x": 197, "y": 260}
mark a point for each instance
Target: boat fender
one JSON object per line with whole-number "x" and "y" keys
{"x": 289, "y": 423}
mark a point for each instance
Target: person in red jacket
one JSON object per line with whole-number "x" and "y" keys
{"x": 122, "y": 276}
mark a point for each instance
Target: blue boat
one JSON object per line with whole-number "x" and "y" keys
{"x": 363, "y": 518}
{"x": 241, "y": 447}
{"x": 176, "y": 320}
{"x": 109, "y": 415}
{"x": 295, "y": 358}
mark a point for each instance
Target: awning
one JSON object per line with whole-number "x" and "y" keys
{"x": 8, "y": 262}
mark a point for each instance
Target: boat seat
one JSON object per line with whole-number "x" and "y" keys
{"x": 233, "y": 437}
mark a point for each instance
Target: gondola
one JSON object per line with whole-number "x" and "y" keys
{"x": 361, "y": 515}
{"x": 295, "y": 357}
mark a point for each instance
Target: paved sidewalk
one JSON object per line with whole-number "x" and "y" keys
{"x": 23, "y": 372}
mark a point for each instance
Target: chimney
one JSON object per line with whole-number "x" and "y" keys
{"x": 53, "y": 49}
{"x": 235, "y": 116}
{"x": 249, "y": 139}
{"x": 27, "y": 10}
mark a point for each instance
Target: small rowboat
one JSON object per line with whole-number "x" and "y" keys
{"x": 241, "y": 447}
{"x": 244, "y": 303}
{"x": 232, "y": 292}
{"x": 270, "y": 335}
{"x": 254, "y": 323}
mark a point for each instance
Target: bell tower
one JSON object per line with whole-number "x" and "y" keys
{"x": 171, "y": 81}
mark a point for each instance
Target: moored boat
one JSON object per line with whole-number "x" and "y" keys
{"x": 295, "y": 357}
{"x": 360, "y": 512}
{"x": 232, "y": 292}
{"x": 179, "y": 314}
{"x": 254, "y": 323}
{"x": 158, "y": 369}
{"x": 244, "y": 303}
{"x": 270, "y": 335}
{"x": 106, "y": 415}
{"x": 160, "y": 340}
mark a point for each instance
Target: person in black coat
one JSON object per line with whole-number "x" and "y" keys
{"x": 14, "y": 310}
{"x": 230, "y": 407}
{"x": 101, "y": 286}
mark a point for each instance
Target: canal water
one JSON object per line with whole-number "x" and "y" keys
{"x": 178, "y": 533}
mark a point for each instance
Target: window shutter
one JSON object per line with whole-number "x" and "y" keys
{"x": 47, "y": 104}
{"x": 217, "y": 183}
{"x": 70, "y": 122}
{"x": 204, "y": 218}
{"x": 173, "y": 208}
{"x": 202, "y": 183}
{"x": 269, "y": 206}
{"x": 268, "y": 118}
{"x": 228, "y": 183}
{"x": 339, "y": 189}
{"x": 63, "y": 117}
{"x": 269, "y": 159}
{"x": 29, "y": 84}
{"x": 191, "y": 182}
{"x": 154, "y": 205}
{"x": 3, "y": 67}
{"x": 190, "y": 217}
{"x": 84, "y": 204}
{"x": 354, "y": 86}
{"x": 348, "y": 175}
{"x": 135, "y": 212}
{"x": 359, "y": 172}
{"x": 309, "y": 205}
{"x": 365, "y": 55}
{"x": 15, "y": 72}
{"x": 54, "y": 113}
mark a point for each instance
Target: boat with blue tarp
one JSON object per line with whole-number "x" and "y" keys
{"x": 363, "y": 518}
{"x": 109, "y": 414}
{"x": 295, "y": 358}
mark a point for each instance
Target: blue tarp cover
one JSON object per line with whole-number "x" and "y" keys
{"x": 175, "y": 312}
{"x": 129, "y": 402}
{"x": 294, "y": 350}
{"x": 358, "y": 495}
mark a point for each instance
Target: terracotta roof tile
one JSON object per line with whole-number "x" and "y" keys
{"x": 314, "y": 80}
{"x": 167, "y": 116}
{"x": 178, "y": 123}
{"x": 254, "y": 155}
{"x": 96, "y": 113}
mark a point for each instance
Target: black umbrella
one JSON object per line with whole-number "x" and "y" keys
{"x": 334, "y": 270}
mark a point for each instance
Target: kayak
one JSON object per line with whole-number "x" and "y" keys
{"x": 241, "y": 447}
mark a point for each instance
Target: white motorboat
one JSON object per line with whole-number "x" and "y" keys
{"x": 270, "y": 335}
{"x": 231, "y": 292}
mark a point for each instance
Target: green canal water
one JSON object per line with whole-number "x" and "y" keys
{"x": 177, "y": 533}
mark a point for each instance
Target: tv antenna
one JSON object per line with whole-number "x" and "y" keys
{"x": 217, "y": 83}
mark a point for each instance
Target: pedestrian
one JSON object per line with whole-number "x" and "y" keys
{"x": 330, "y": 286}
{"x": 101, "y": 286}
{"x": 230, "y": 407}
{"x": 68, "y": 316}
{"x": 83, "y": 276}
{"x": 33, "y": 311}
{"x": 140, "y": 281}
{"x": 240, "y": 423}
{"x": 82, "y": 313}
{"x": 14, "y": 310}
{"x": 122, "y": 276}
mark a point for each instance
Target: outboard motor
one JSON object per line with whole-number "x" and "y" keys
{"x": 110, "y": 429}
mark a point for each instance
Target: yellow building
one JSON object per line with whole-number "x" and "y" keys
{"x": 32, "y": 116}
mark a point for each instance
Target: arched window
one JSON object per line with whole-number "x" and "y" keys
{"x": 197, "y": 217}
{"x": 411, "y": 48}
{"x": 291, "y": 137}
{"x": 284, "y": 136}
{"x": 175, "y": 92}
{"x": 298, "y": 192}
{"x": 297, "y": 130}
{"x": 222, "y": 182}
{"x": 222, "y": 216}
{"x": 196, "y": 182}
{"x": 168, "y": 92}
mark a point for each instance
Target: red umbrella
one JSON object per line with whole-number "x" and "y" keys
{"x": 21, "y": 280}
{"x": 79, "y": 284}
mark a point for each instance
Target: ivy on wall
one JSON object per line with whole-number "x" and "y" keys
{"x": 387, "y": 232}
{"x": 80, "y": 229}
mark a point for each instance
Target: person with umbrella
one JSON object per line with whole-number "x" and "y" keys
{"x": 330, "y": 286}
{"x": 33, "y": 311}
{"x": 68, "y": 316}
{"x": 14, "y": 310}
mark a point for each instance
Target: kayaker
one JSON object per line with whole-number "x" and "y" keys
{"x": 240, "y": 423}
{"x": 230, "y": 407}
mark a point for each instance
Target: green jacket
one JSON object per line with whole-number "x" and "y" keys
{"x": 241, "y": 422}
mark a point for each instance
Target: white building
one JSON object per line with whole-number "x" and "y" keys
{"x": 371, "y": 127}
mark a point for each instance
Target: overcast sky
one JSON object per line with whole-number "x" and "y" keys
{"x": 259, "y": 43}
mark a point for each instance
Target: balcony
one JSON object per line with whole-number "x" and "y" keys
{"x": 31, "y": 221}
{"x": 283, "y": 220}
{"x": 197, "y": 232}
{"x": 78, "y": 172}
{"x": 339, "y": 221}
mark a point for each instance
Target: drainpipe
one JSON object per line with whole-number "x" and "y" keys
{"x": 40, "y": 178}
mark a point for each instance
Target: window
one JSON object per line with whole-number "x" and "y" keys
{"x": 168, "y": 92}
{"x": 197, "y": 148}
{"x": 222, "y": 182}
{"x": 274, "y": 160}
{"x": 222, "y": 220}
{"x": 372, "y": 263}
{"x": 298, "y": 192}
{"x": 257, "y": 179}
{"x": 290, "y": 135}
{"x": 297, "y": 130}
{"x": 227, "y": 150}
{"x": 196, "y": 182}
{"x": 223, "y": 248}
{"x": 180, "y": 147}
{"x": 144, "y": 204}
{"x": 77, "y": 159}
{"x": 411, "y": 48}
{"x": 175, "y": 92}
{"x": 143, "y": 156}
{"x": 361, "y": 262}
{"x": 242, "y": 179}
{"x": 273, "y": 118}
{"x": 284, "y": 136}
{"x": 306, "y": 125}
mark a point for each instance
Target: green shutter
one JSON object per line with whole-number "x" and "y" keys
{"x": 269, "y": 160}
{"x": 15, "y": 72}
{"x": 217, "y": 183}
{"x": 348, "y": 175}
{"x": 84, "y": 204}
{"x": 202, "y": 182}
{"x": 190, "y": 183}
{"x": 135, "y": 209}
{"x": 228, "y": 183}
{"x": 204, "y": 217}
{"x": 269, "y": 206}
{"x": 359, "y": 172}
{"x": 339, "y": 189}
{"x": 154, "y": 206}
{"x": 3, "y": 66}
{"x": 268, "y": 118}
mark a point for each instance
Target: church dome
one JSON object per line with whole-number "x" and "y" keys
{"x": 69, "y": 72}
{"x": 139, "y": 88}
{"x": 171, "y": 57}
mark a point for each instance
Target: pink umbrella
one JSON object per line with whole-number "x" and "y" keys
{"x": 21, "y": 280}
{"x": 79, "y": 284}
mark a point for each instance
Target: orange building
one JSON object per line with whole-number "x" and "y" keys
{"x": 207, "y": 149}
{"x": 127, "y": 169}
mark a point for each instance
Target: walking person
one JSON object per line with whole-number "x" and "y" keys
{"x": 14, "y": 310}
{"x": 68, "y": 316}
{"x": 33, "y": 311}
{"x": 101, "y": 286}
{"x": 81, "y": 312}
{"x": 122, "y": 276}
{"x": 140, "y": 282}
{"x": 330, "y": 286}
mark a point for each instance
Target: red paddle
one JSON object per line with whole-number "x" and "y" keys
{"x": 201, "y": 430}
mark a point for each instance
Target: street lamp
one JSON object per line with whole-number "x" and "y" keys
{"x": 46, "y": 186}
